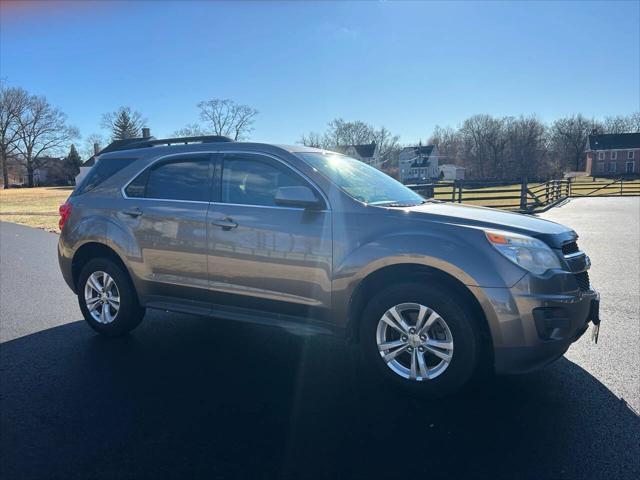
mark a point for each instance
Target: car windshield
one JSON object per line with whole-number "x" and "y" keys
{"x": 361, "y": 181}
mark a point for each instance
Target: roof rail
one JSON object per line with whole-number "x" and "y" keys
{"x": 131, "y": 143}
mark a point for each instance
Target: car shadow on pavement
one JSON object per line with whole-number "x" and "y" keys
{"x": 190, "y": 397}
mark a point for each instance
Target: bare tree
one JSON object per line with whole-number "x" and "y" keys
{"x": 622, "y": 123}
{"x": 449, "y": 143}
{"x": 388, "y": 143}
{"x": 13, "y": 102}
{"x": 313, "y": 139}
{"x": 123, "y": 123}
{"x": 191, "y": 130}
{"x": 89, "y": 144}
{"x": 527, "y": 147}
{"x": 474, "y": 133}
{"x": 42, "y": 129}
{"x": 570, "y": 137}
{"x": 227, "y": 118}
{"x": 341, "y": 133}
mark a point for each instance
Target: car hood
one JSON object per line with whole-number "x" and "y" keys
{"x": 551, "y": 233}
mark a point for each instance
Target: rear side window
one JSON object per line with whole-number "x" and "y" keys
{"x": 102, "y": 170}
{"x": 183, "y": 179}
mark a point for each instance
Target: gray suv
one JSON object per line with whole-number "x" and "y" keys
{"x": 432, "y": 292}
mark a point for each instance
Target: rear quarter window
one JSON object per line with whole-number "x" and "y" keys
{"x": 101, "y": 171}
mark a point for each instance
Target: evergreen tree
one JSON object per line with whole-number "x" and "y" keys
{"x": 71, "y": 164}
{"x": 123, "y": 123}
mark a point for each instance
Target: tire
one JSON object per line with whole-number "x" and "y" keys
{"x": 452, "y": 326}
{"x": 113, "y": 320}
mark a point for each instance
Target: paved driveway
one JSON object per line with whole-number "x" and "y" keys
{"x": 187, "y": 397}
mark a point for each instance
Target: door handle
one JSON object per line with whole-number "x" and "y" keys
{"x": 226, "y": 223}
{"x": 132, "y": 212}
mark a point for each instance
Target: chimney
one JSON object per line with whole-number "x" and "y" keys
{"x": 96, "y": 148}
{"x": 146, "y": 133}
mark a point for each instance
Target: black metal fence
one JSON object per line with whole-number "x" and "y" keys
{"x": 525, "y": 196}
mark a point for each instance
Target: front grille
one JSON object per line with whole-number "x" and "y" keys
{"x": 569, "y": 248}
{"x": 583, "y": 281}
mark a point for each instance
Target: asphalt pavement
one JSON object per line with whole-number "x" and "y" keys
{"x": 194, "y": 397}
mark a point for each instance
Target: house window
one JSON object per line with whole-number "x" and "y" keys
{"x": 600, "y": 155}
{"x": 612, "y": 167}
{"x": 600, "y": 167}
{"x": 614, "y": 155}
{"x": 630, "y": 155}
{"x": 630, "y": 167}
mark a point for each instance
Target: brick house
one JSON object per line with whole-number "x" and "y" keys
{"x": 613, "y": 154}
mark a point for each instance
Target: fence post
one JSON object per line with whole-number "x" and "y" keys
{"x": 523, "y": 193}
{"x": 546, "y": 192}
{"x": 569, "y": 187}
{"x": 453, "y": 191}
{"x": 621, "y": 180}
{"x": 460, "y": 182}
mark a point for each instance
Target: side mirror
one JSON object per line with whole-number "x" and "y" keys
{"x": 301, "y": 197}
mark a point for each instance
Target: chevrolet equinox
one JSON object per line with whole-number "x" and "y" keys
{"x": 431, "y": 292}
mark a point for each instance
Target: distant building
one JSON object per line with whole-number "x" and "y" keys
{"x": 51, "y": 173}
{"x": 418, "y": 164}
{"x": 451, "y": 172}
{"x": 367, "y": 153}
{"x": 613, "y": 154}
{"x": 86, "y": 166}
{"x": 84, "y": 169}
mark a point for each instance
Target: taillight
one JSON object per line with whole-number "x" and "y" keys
{"x": 65, "y": 211}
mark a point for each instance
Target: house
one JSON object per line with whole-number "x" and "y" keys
{"x": 367, "y": 153}
{"x": 86, "y": 166}
{"x": 613, "y": 154}
{"x": 116, "y": 144}
{"x": 451, "y": 172}
{"x": 417, "y": 164}
{"x": 50, "y": 173}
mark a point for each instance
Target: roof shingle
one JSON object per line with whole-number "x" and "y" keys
{"x": 614, "y": 141}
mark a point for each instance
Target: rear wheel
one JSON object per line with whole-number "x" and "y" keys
{"x": 107, "y": 298}
{"x": 420, "y": 338}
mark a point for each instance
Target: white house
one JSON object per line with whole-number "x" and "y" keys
{"x": 451, "y": 172}
{"x": 418, "y": 164}
{"x": 367, "y": 153}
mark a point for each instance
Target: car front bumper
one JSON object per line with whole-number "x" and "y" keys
{"x": 530, "y": 330}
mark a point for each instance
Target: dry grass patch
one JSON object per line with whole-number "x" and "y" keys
{"x": 34, "y": 207}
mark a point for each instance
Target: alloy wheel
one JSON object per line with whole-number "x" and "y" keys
{"x": 414, "y": 341}
{"x": 102, "y": 297}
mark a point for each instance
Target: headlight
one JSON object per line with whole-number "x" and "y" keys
{"x": 530, "y": 253}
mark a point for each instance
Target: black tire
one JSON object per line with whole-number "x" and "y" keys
{"x": 465, "y": 333}
{"x": 130, "y": 312}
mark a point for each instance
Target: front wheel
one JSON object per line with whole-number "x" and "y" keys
{"x": 107, "y": 298}
{"x": 420, "y": 338}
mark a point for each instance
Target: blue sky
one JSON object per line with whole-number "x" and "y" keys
{"x": 407, "y": 66}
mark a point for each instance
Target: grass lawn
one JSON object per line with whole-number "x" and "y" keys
{"x": 34, "y": 207}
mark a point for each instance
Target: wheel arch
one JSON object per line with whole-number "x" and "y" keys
{"x": 410, "y": 272}
{"x": 90, "y": 251}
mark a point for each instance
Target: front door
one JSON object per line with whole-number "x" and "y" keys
{"x": 630, "y": 167}
{"x": 166, "y": 211}
{"x": 262, "y": 255}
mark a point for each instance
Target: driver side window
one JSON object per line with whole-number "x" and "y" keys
{"x": 248, "y": 181}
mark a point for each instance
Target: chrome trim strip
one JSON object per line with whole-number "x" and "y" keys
{"x": 574, "y": 254}
{"x": 267, "y": 206}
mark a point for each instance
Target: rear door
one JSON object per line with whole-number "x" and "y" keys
{"x": 167, "y": 212}
{"x": 262, "y": 255}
